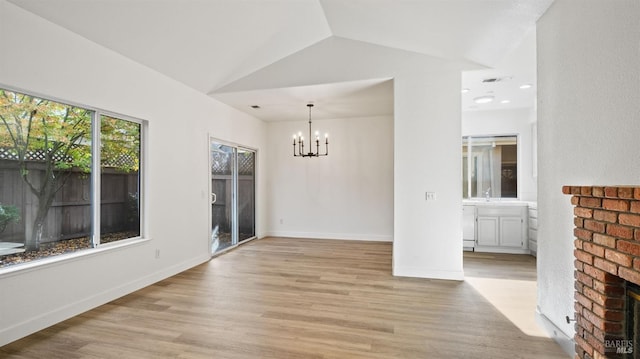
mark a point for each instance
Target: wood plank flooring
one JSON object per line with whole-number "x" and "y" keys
{"x": 299, "y": 298}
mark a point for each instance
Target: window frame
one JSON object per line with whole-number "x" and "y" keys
{"x": 468, "y": 147}
{"x": 96, "y": 246}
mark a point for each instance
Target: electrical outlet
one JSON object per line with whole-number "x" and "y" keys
{"x": 430, "y": 196}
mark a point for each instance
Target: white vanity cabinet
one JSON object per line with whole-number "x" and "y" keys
{"x": 502, "y": 228}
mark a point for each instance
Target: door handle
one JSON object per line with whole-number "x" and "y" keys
{"x": 213, "y": 198}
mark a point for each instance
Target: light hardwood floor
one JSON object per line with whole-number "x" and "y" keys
{"x": 300, "y": 298}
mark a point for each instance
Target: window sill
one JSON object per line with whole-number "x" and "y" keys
{"x": 68, "y": 257}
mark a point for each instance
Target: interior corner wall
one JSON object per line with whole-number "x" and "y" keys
{"x": 42, "y": 58}
{"x": 509, "y": 122}
{"x": 427, "y": 158}
{"x": 588, "y": 126}
{"x": 345, "y": 195}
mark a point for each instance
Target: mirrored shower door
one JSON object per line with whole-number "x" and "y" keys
{"x": 232, "y": 195}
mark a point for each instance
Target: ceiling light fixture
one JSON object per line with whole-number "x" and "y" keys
{"x": 484, "y": 99}
{"x": 300, "y": 142}
{"x": 526, "y": 86}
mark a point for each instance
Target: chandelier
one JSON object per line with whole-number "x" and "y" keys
{"x": 298, "y": 141}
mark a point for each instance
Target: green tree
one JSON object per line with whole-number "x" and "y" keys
{"x": 57, "y": 135}
{"x": 51, "y": 140}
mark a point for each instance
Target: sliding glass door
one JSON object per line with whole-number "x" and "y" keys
{"x": 232, "y": 195}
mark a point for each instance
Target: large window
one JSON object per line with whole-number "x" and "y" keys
{"x": 490, "y": 167}
{"x": 51, "y": 201}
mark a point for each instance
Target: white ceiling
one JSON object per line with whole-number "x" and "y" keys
{"x": 211, "y": 44}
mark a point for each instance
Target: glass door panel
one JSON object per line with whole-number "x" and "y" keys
{"x": 222, "y": 196}
{"x": 246, "y": 194}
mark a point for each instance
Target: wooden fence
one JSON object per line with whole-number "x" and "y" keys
{"x": 70, "y": 214}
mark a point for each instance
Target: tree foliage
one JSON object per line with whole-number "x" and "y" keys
{"x": 54, "y": 140}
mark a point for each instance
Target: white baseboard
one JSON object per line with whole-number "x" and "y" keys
{"x": 566, "y": 343}
{"x": 34, "y": 324}
{"x": 400, "y": 271}
{"x": 344, "y": 236}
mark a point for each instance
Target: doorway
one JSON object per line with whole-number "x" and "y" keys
{"x": 232, "y": 195}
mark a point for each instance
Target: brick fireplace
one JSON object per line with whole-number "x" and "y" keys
{"x": 607, "y": 264}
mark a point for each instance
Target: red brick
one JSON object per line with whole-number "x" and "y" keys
{"x": 582, "y": 234}
{"x": 586, "y": 347}
{"x": 594, "y": 249}
{"x": 635, "y": 207}
{"x": 619, "y": 231}
{"x": 578, "y": 307}
{"x": 607, "y": 216}
{"x": 584, "y": 279}
{"x": 592, "y": 318}
{"x": 578, "y": 222}
{"x": 612, "y": 327}
{"x": 576, "y": 190}
{"x": 590, "y": 202}
{"x": 598, "y": 286}
{"x": 617, "y": 257}
{"x": 615, "y": 291}
{"x": 578, "y": 243}
{"x": 636, "y": 264}
{"x": 611, "y": 191}
{"x": 595, "y": 272}
{"x": 610, "y": 315}
{"x": 584, "y": 301}
{"x": 597, "y": 192}
{"x": 595, "y": 296}
{"x": 604, "y": 240}
{"x": 625, "y": 192}
{"x": 575, "y": 200}
{"x": 598, "y": 345}
{"x": 636, "y": 193}
{"x": 632, "y": 248}
{"x": 594, "y": 225}
{"x": 629, "y": 219}
{"x": 578, "y": 265}
{"x": 583, "y": 212}
{"x": 620, "y": 205}
{"x": 605, "y": 265}
{"x": 566, "y": 189}
{"x": 584, "y": 324}
{"x": 585, "y": 191}
{"x": 630, "y": 275}
{"x": 578, "y": 286}
{"x": 636, "y": 234}
{"x": 583, "y": 256}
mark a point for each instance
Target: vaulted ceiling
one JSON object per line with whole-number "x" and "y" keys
{"x": 220, "y": 47}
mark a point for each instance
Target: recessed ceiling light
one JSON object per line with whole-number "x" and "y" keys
{"x": 526, "y": 86}
{"x": 255, "y": 106}
{"x": 465, "y": 90}
{"x": 505, "y": 101}
{"x": 484, "y": 99}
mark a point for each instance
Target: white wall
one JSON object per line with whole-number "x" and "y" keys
{"x": 427, "y": 157}
{"x": 40, "y": 57}
{"x": 426, "y": 141}
{"x": 588, "y": 126}
{"x": 508, "y": 122}
{"x": 346, "y": 195}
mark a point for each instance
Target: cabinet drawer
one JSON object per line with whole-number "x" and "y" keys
{"x": 497, "y": 211}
